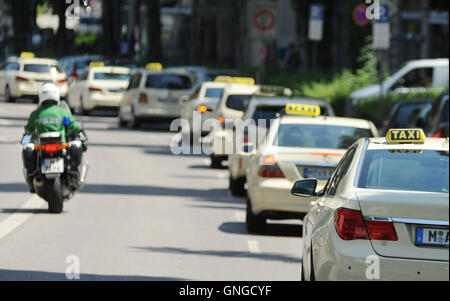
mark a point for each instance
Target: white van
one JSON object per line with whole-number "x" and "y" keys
{"x": 413, "y": 76}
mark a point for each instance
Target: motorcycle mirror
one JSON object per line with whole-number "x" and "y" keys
{"x": 26, "y": 139}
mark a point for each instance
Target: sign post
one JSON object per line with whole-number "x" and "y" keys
{"x": 381, "y": 43}
{"x": 315, "y": 30}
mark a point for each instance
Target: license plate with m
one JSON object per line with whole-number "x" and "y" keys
{"x": 432, "y": 237}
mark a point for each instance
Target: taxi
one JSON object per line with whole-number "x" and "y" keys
{"x": 204, "y": 101}
{"x": 299, "y": 145}
{"x": 231, "y": 107}
{"x": 261, "y": 111}
{"x": 154, "y": 93}
{"x": 383, "y": 214}
{"x": 98, "y": 87}
{"x": 21, "y": 77}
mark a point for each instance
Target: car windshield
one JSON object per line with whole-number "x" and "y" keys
{"x": 319, "y": 136}
{"x": 111, "y": 76}
{"x": 263, "y": 115}
{"x": 238, "y": 102}
{"x": 403, "y": 113}
{"x": 214, "y": 93}
{"x": 38, "y": 68}
{"x": 425, "y": 170}
{"x": 168, "y": 81}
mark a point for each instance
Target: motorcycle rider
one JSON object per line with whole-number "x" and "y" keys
{"x": 48, "y": 117}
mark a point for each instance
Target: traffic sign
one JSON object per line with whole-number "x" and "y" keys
{"x": 381, "y": 29}
{"x": 315, "y": 30}
{"x": 359, "y": 15}
{"x": 264, "y": 20}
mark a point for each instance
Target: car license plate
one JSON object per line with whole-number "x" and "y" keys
{"x": 432, "y": 237}
{"x": 318, "y": 173}
{"x": 52, "y": 165}
{"x": 168, "y": 100}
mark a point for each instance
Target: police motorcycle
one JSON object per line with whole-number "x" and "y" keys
{"x": 56, "y": 170}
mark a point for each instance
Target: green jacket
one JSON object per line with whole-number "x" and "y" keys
{"x": 49, "y": 119}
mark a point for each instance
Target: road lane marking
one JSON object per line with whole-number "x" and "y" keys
{"x": 16, "y": 219}
{"x": 253, "y": 246}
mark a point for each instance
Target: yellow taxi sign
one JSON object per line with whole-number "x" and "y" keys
{"x": 405, "y": 136}
{"x": 27, "y": 55}
{"x": 302, "y": 109}
{"x": 154, "y": 66}
{"x": 235, "y": 80}
{"x": 96, "y": 64}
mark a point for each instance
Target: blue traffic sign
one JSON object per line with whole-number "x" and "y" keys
{"x": 316, "y": 12}
{"x": 384, "y": 14}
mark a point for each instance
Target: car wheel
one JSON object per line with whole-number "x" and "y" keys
{"x": 237, "y": 186}
{"x": 134, "y": 123}
{"x": 255, "y": 223}
{"x": 8, "y": 97}
{"x": 312, "y": 277}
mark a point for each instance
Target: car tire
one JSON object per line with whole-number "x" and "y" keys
{"x": 255, "y": 223}
{"x": 312, "y": 276}
{"x": 134, "y": 123}
{"x": 122, "y": 123}
{"x": 237, "y": 186}
{"x": 8, "y": 97}
{"x": 216, "y": 162}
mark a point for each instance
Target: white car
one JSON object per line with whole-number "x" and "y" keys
{"x": 98, "y": 87}
{"x": 204, "y": 101}
{"x": 155, "y": 94}
{"x": 231, "y": 107}
{"x": 383, "y": 214}
{"x": 296, "y": 147}
{"x": 413, "y": 76}
{"x": 21, "y": 77}
{"x": 263, "y": 110}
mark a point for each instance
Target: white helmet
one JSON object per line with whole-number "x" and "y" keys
{"x": 48, "y": 91}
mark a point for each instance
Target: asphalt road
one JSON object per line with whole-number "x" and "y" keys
{"x": 145, "y": 214}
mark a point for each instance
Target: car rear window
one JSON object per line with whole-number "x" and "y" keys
{"x": 238, "y": 102}
{"x": 404, "y": 112}
{"x": 214, "y": 93}
{"x": 168, "y": 81}
{"x": 265, "y": 114}
{"x": 111, "y": 76}
{"x": 39, "y": 68}
{"x": 425, "y": 170}
{"x": 319, "y": 136}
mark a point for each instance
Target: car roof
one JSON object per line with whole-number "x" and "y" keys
{"x": 44, "y": 61}
{"x": 110, "y": 69}
{"x": 430, "y": 144}
{"x": 277, "y": 100}
{"x": 326, "y": 120}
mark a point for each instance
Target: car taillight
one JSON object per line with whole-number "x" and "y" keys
{"x": 269, "y": 168}
{"x": 21, "y": 79}
{"x": 350, "y": 225}
{"x": 381, "y": 230}
{"x": 439, "y": 133}
{"x": 61, "y": 81}
{"x": 74, "y": 74}
{"x": 202, "y": 109}
{"x": 94, "y": 89}
{"x": 143, "y": 98}
{"x": 51, "y": 148}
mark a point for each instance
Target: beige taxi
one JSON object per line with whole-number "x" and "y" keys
{"x": 299, "y": 145}
{"x": 98, "y": 87}
{"x": 21, "y": 77}
{"x": 383, "y": 214}
{"x": 155, "y": 94}
{"x": 231, "y": 107}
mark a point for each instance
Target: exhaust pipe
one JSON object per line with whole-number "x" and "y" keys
{"x": 38, "y": 181}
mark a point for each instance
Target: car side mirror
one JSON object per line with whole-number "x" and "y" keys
{"x": 305, "y": 188}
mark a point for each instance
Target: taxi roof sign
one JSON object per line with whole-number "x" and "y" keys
{"x": 405, "y": 136}
{"x": 154, "y": 66}
{"x": 302, "y": 109}
{"x": 235, "y": 80}
{"x": 27, "y": 55}
{"x": 96, "y": 64}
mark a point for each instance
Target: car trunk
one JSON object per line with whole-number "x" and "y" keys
{"x": 409, "y": 210}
